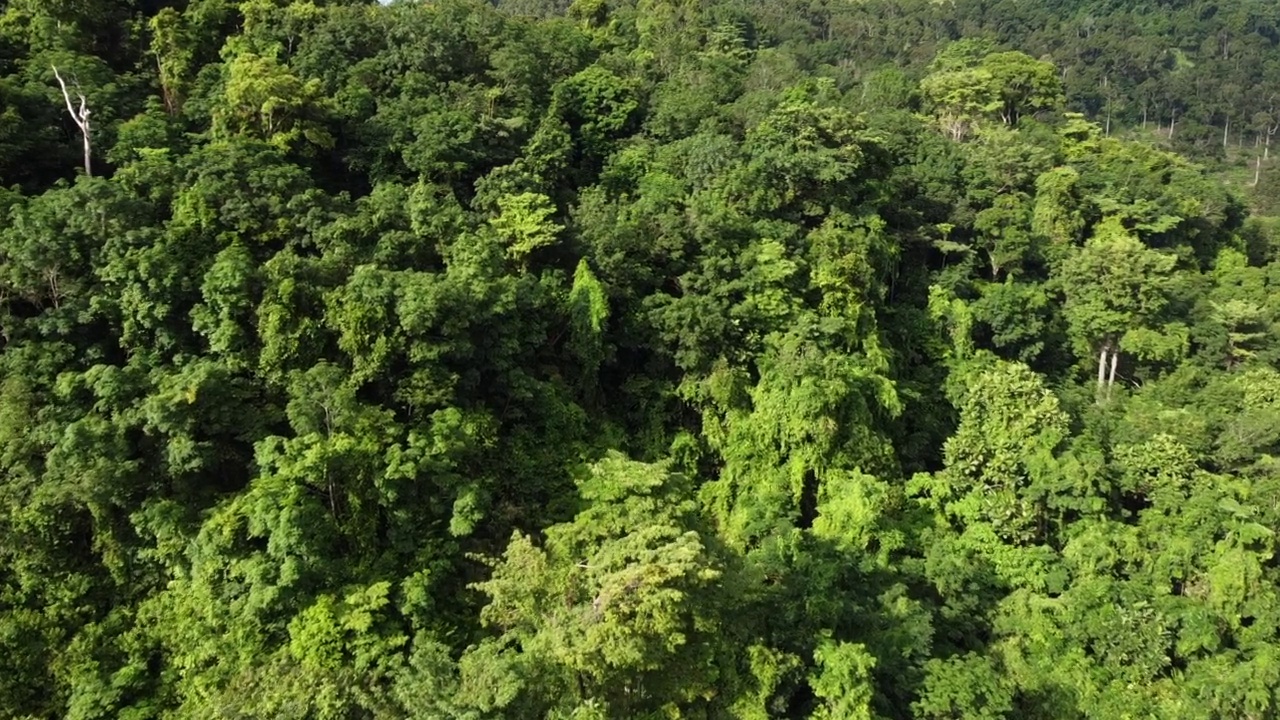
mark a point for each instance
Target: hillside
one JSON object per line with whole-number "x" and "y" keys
{"x": 659, "y": 359}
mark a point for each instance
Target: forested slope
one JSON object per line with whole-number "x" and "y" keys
{"x": 633, "y": 360}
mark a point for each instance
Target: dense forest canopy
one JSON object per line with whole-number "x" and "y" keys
{"x": 639, "y": 359}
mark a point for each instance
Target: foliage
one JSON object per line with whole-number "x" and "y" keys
{"x": 726, "y": 359}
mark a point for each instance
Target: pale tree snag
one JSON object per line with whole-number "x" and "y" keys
{"x": 80, "y": 117}
{"x": 1264, "y": 138}
{"x": 1102, "y": 368}
{"x": 1108, "y": 359}
{"x": 1270, "y": 129}
{"x": 1111, "y": 381}
{"x": 1106, "y": 92}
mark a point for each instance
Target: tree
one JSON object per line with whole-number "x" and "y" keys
{"x": 1000, "y": 461}
{"x": 80, "y": 116}
{"x": 1024, "y": 85}
{"x": 264, "y": 98}
{"x": 613, "y": 599}
{"x": 174, "y": 51}
{"x": 964, "y": 89}
{"x": 1114, "y": 285}
{"x": 525, "y": 226}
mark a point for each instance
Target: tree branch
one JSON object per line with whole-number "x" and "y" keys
{"x": 80, "y": 118}
{"x": 75, "y": 117}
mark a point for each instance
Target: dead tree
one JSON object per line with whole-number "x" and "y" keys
{"x": 80, "y": 117}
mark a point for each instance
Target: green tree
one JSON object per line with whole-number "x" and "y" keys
{"x": 614, "y": 599}
{"x": 1114, "y": 286}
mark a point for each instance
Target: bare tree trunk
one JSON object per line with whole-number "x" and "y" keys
{"x": 1257, "y": 170}
{"x": 80, "y": 117}
{"x": 1173, "y": 119}
{"x": 1111, "y": 380}
{"x": 1106, "y": 82}
{"x": 1226, "y": 130}
{"x": 1102, "y": 366}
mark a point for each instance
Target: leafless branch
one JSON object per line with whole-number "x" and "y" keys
{"x": 79, "y": 117}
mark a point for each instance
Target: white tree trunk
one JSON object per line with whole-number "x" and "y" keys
{"x": 1111, "y": 380}
{"x": 81, "y": 118}
{"x": 1102, "y": 367}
